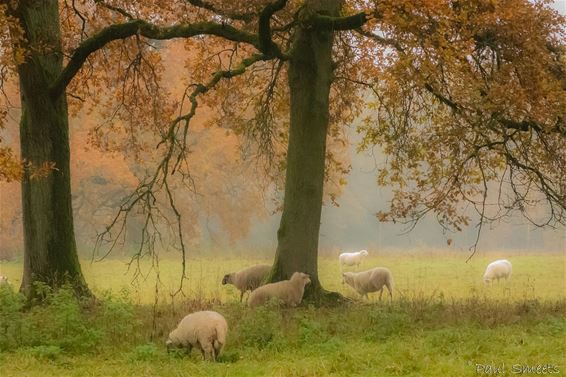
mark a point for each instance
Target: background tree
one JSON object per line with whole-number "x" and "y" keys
{"x": 467, "y": 95}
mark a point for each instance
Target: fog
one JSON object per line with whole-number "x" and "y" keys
{"x": 354, "y": 226}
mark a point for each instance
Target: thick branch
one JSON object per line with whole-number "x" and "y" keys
{"x": 320, "y": 21}
{"x": 148, "y": 30}
{"x": 247, "y": 17}
{"x": 266, "y": 44}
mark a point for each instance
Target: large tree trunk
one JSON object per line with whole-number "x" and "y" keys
{"x": 310, "y": 77}
{"x": 50, "y": 252}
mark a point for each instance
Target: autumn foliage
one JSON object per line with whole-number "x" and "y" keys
{"x": 467, "y": 101}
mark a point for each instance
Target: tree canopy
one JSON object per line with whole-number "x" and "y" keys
{"x": 467, "y": 97}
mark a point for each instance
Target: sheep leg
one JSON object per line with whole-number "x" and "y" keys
{"x": 380, "y": 293}
{"x": 208, "y": 352}
{"x": 241, "y": 295}
{"x": 213, "y": 354}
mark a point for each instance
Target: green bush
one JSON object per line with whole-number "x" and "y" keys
{"x": 259, "y": 327}
{"x": 59, "y": 321}
{"x": 44, "y": 352}
{"x": 384, "y": 324}
{"x": 11, "y": 304}
{"x": 144, "y": 352}
{"x": 116, "y": 318}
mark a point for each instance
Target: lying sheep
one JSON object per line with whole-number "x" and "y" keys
{"x": 496, "y": 270}
{"x": 205, "y": 330}
{"x": 351, "y": 259}
{"x": 247, "y": 279}
{"x": 370, "y": 281}
{"x": 290, "y": 292}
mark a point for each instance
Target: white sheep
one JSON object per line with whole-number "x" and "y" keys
{"x": 247, "y": 279}
{"x": 496, "y": 270}
{"x": 290, "y": 292}
{"x": 370, "y": 281}
{"x": 4, "y": 280}
{"x": 351, "y": 259}
{"x": 205, "y": 330}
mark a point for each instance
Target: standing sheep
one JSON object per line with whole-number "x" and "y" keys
{"x": 290, "y": 292}
{"x": 351, "y": 259}
{"x": 370, "y": 281}
{"x": 496, "y": 270}
{"x": 205, "y": 330}
{"x": 247, "y": 279}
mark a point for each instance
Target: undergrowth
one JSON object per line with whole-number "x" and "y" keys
{"x": 400, "y": 338}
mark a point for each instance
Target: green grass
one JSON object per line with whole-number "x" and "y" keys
{"x": 417, "y": 274}
{"x": 442, "y": 322}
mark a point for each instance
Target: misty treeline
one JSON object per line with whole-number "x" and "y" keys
{"x": 228, "y": 189}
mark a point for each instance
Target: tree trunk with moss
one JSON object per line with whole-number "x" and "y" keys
{"x": 50, "y": 252}
{"x": 310, "y": 76}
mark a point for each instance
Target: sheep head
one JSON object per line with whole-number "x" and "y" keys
{"x": 305, "y": 278}
{"x": 348, "y": 277}
{"x": 364, "y": 253}
{"x": 227, "y": 279}
{"x": 171, "y": 341}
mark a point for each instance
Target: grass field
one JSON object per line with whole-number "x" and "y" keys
{"x": 443, "y": 322}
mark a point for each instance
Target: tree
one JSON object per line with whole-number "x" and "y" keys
{"x": 466, "y": 94}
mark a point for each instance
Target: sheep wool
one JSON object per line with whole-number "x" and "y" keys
{"x": 351, "y": 259}
{"x": 204, "y": 330}
{"x": 370, "y": 281}
{"x": 290, "y": 292}
{"x": 499, "y": 269}
{"x": 247, "y": 279}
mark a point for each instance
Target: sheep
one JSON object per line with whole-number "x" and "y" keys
{"x": 290, "y": 292}
{"x": 247, "y": 279}
{"x": 205, "y": 330}
{"x": 370, "y": 281}
{"x": 4, "y": 280}
{"x": 496, "y": 270}
{"x": 350, "y": 259}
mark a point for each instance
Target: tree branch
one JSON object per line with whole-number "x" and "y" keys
{"x": 148, "y": 30}
{"x": 247, "y": 17}
{"x": 266, "y": 44}
{"x": 320, "y": 21}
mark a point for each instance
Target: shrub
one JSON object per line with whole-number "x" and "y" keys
{"x": 116, "y": 318}
{"x": 258, "y": 328}
{"x": 44, "y": 352}
{"x": 11, "y": 304}
{"x": 144, "y": 352}
{"x": 59, "y": 321}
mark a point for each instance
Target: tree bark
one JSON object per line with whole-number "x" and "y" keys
{"x": 50, "y": 252}
{"x": 310, "y": 76}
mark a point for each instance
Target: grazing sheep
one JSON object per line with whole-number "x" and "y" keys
{"x": 370, "y": 281}
{"x": 351, "y": 259}
{"x": 205, "y": 330}
{"x": 496, "y": 270}
{"x": 247, "y": 279}
{"x": 290, "y": 292}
